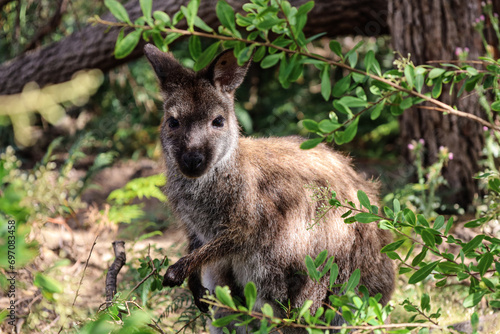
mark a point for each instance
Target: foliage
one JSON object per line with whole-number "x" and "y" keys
{"x": 12, "y": 209}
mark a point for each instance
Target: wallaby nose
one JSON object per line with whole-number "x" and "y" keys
{"x": 193, "y": 160}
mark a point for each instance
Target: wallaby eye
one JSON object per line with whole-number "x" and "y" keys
{"x": 218, "y": 122}
{"x": 173, "y": 123}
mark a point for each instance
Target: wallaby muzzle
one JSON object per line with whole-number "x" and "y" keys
{"x": 192, "y": 164}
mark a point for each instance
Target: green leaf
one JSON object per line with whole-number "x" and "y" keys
{"x": 353, "y": 51}
{"x": 354, "y": 102}
{"x": 127, "y": 44}
{"x": 159, "y": 42}
{"x": 485, "y": 263}
{"x": 341, "y": 86}
{"x": 311, "y": 143}
{"x": 470, "y": 83}
{"x": 268, "y": 22}
{"x": 267, "y": 310}
{"x": 198, "y": 22}
{"x": 301, "y": 17}
{"x": 146, "y": 7}
{"x": 117, "y": 10}
{"x": 388, "y": 212}
{"x": 306, "y": 306}
{"x": 372, "y": 63}
{"x": 162, "y": 16}
{"x": 428, "y": 238}
{"x": 259, "y": 54}
{"x": 334, "y": 273}
{"x": 327, "y": 126}
{"x": 409, "y": 75}
{"x": 353, "y": 59}
{"x": 336, "y": 48}
{"x": 310, "y": 125}
{"x": 250, "y": 295}
{"x": 311, "y": 268}
{"x": 474, "y": 321}
{"x": 190, "y": 13}
{"x": 363, "y": 199}
{"x": 473, "y": 244}
{"x": 270, "y": 60}
{"x": 320, "y": 259}
{"x": 195, "y": 47}
{"x": 353, "y": 281}
{"x": 326, "y": 85}
{"x": 47, "y": 283}
{"x": 365, "y": 217}
{"x": 224, "y": 321}
{"x": 171, "y": 37}
{"x": 206, "y": 57}
{"x": 350, "y": 131}
{"x": 406, "y": 103}
{"x": 436, "y": 72}
{"x": 393, "y": 246}
{"x": 410, "y": 217}
{"x": 471, "y": 70}
{"x": 439, "y": 222}
{"x": 223, "y": 294}
{"x": 404, "y": 270}
{"x": 225, "y": 14}
{"x": 341, "y": 107}
{"x": 419, "y": 82}
{"x": 438, "y": 88}
{"x": 396, "y": 205}
{"x": 449, "y": 224}
{"x": 425, "y": 302}
{"x": 422, "y": 221}
{"x": 375, "y": 112}
{"x": 422, "y": 273}
{"x": 245, "y": 55}
{"x": 473, "y": 299}
{"x": 495, "y": 106}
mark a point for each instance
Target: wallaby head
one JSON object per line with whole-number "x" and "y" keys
{"x": 199, "y": 128}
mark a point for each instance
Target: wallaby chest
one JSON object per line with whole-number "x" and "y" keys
{"x": 206, "y": 205}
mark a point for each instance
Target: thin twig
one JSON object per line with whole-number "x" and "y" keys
{"x": 84, "y": 269}
{"x": 261, "y": 316}
{"x": 145, "y": 278}
{"x": 189, "y": 323}
{"x": 456, "y": 61}
{"x": 83, "y": 275}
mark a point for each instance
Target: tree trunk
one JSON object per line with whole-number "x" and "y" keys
{"x": 93, "y": 47}
{"x": 432, "y": 30}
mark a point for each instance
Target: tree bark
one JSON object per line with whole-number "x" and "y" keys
{"x": 93, "y": 47}
{"x": 432, "y": 30}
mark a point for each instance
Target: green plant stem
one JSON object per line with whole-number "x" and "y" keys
{"x": 447, "y": 108}
{"x": 274, "y": 320}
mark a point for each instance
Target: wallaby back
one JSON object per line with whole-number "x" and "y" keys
{"x": 244, "y": 202}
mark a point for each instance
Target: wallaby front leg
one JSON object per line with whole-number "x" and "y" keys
{"x": 194, "y": 280}
{"x": 198, "y": 291}
{"x": 221, "y": 246}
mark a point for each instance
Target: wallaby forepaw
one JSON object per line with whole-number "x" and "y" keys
{"x": 202, "y": 306}
{"x": 175, "y": 275}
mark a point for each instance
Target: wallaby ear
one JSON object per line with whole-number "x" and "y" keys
{"x": 224, "y": 71}
{"x": 168, "y": 70}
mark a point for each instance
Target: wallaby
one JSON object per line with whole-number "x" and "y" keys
{"x": 243, "y": 201}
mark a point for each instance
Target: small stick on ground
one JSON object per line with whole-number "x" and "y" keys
{"x": 114, "y": 269}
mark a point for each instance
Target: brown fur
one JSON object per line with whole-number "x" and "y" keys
{"x": 244, "y": 202}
